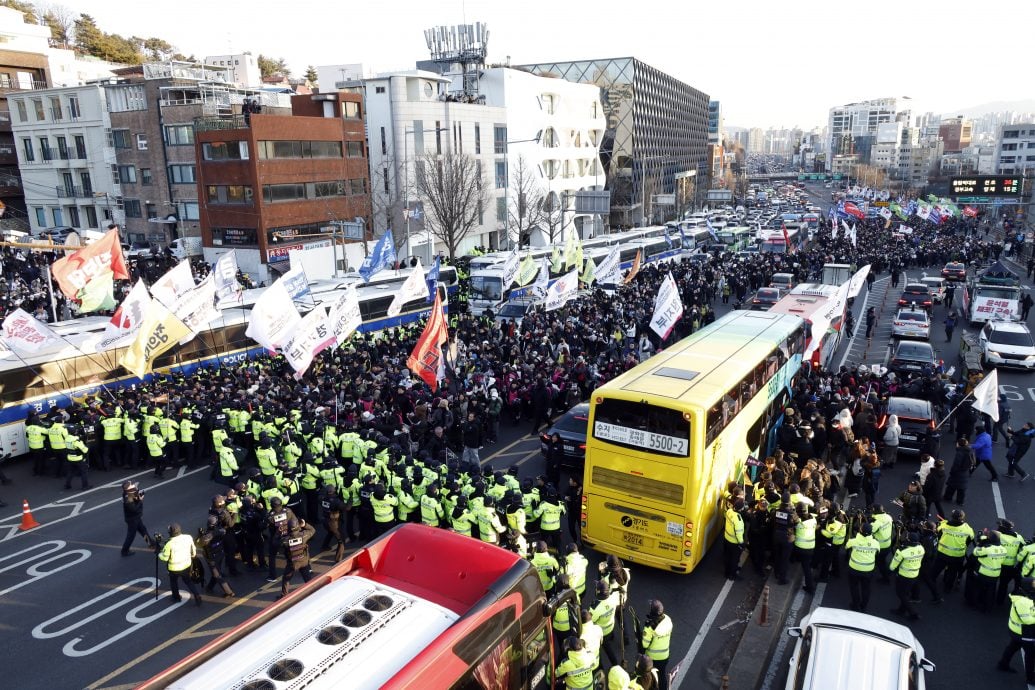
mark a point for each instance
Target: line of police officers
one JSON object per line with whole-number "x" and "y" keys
{"x": 916, "y": 551}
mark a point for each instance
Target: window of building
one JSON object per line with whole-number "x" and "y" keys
{"x": 27, "y": 150}
{"x": 151, "y": 210}
{"x": 179, "y": 135}
{"x": 63, "y": 148}
{"x": 45, "y": 152}
{"x": 225, "y": 150}
{"x": 73, "y": 106}
{"x": 145, "y": 176}
{"x": 384, "y": 140}
{"x": 274, "y": 193}
{"x": 132, "y": 208}
{"x": 84, "y": 178}
{"x": 357, "y": 186}
{"x": 127, "y": 174}
{"x": 182, "y": 174}
{"x": 379, "y": 89}
{"x": 229, "y": 194}
{"x": 41, "y": 217}
{"x": 438, "y": 136}
{"x": 354, "y": 149}
{"x": 5, "y": 81}
{"x": 91, "y": 216}
{"x": 384, "y": 177}
{"x": 321, "y": 190}
{"x": 80, "y": 146}
{"x": 23, "y": 115}
{"x": 58, "y": 216}
{"x": 418, "y": 137}
{"x": 141, "y": 142}
{"x": 499, "y": 139}
{"x": 501, "y": 174}
{"x": 55, "y": 108}
{"x": 73, "y": 216}
{"x": 120, "y": 138}
{"x": 550, "y": 138}
{"x": 37, "y": 106}
{"x": 188, "y": 210}
{"x": 350, "y": 110}
{"x": 300, "y": 149}
{"x": 477, "y": 139}
{"x": 501, "y": 209}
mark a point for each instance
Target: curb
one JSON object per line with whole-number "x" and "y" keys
{"x": 750, "y": 662}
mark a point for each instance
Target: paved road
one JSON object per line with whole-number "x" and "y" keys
{"x": 67, "y": 592}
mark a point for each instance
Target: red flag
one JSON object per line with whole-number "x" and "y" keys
{"x": 426, "y": 360}
{"x": 970, "y": 212}
{"x": 786, "y": 239}
{"x": 853, "y": 210}
{"x": 72, "y": 273}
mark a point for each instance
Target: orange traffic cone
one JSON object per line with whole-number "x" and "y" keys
{"x": 28, "y": 521}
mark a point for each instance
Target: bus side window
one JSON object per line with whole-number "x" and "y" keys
{"x": 760, "y": 378}
{"x": 772, "y": 365}
{"x": 715, "y": 423}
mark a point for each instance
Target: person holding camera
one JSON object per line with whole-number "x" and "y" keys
{"x": 133, "y": 514}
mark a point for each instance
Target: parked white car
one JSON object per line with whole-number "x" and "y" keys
{"x": 845, "y": 650}
{"x": 1007, "y": 344}
{"x": 911, "y": 323}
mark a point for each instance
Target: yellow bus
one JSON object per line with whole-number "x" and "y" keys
{"x": 665, "y": 437}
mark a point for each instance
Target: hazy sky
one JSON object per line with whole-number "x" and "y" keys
{"x": 769, "y": 63}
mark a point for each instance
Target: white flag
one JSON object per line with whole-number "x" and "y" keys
{"x": 174, "y": 284}
{"x": 986, "y": 395}
{"x": 274, "y": 318}
{"x": 225, "y": 272}
{"x": 905, "y": 229}
{"x": 855, "y": 285}
{"x": 312, "y": 335}
{"x": 296, "y": 283}
{"x": 345, "y": 316}
{"x": 844, "y": 224}
{"x": 885, "y": 213}
{"x": 542, "y": 281}
{"x": 609, "y": 272}
{"x": 128, "y": 318}
{"x": 510, "y": 269}
{"x": 197, "y": 308}
{"x": 22, "y": 331}
{"x": 668, "y": 308}
{"x": 562, "y": 290}
{"x": 413, "y": 288}
{"x": 833, "y": 231}
{"x": 853, "y": 236}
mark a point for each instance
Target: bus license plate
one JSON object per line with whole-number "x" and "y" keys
{"x": 635, "y": 541}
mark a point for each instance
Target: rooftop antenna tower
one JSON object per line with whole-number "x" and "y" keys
{"x": 462, "y": 45}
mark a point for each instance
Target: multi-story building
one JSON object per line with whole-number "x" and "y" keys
{"x": 66, "y": 151}
{"x": 1015, "y": 150}
{"x": 241, "y": 69}
{"x": 955, "y": 133}
{"x": 281, "y": 182}
{"x": 152, "y": 108}
{"x": 918, "y": 157}
{"x": 715, "y": 123}
{"x": 849, "y": 124}
{"x": 334, "y": 77}
{"x": 656, "y": 138}
{"x": 755, "y": 140}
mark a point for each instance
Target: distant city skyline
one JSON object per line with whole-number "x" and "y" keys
{"x": 785, "y": 66}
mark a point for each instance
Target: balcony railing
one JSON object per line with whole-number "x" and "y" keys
{"x": 66, "y": 192}
{"x": 28, "y": 85}
{"x": 214, "y": 124}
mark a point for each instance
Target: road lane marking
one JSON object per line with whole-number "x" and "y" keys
{"x": 685, "y": 663}
{"x": 505, "y": 448}
{"x": 34, "y": 571}
{"x": 13, "y": 530}
{"x": 817, "y": 598}
{"x": 528, "y": 456}
{"x": 1000, "y": 511}
{"x": 776, "y": 662}
{"x": 185, "y": 635}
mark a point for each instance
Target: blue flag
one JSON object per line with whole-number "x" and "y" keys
{"x": 668, "y": 240}
{"x": 682, "y": 237}
{"x": 711, "y": 230}
{"x": 432, "y": 278}
{"x": 381, "y": 258}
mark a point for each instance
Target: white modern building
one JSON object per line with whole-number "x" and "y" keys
{"x": 67, "y": 157}
{"x": 65, "y": 67}
{"x": 334, "y": 77}
{"x": 847, "y": 122}
{"x": 550, "y": 127}
{"x": 241, "y": 69}
{"x": 554, "y": 128}
{"x": 1015, "y": 149}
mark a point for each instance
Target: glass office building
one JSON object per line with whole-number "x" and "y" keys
{"x": 656, "y": 139}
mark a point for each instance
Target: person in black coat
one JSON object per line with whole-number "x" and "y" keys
{"x": 959, "y": 472}
{"x": 133, "y": 514}
{"x": 934, "y": 487}
{"x": 540, "y": 406}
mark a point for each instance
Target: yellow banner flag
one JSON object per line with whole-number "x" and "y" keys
{"x": 634, "y": 270}
{"x": 526, "y": 271}
{"x": 589, "y": 272}
{"x": 570, "y": 252}
{"x": 556, "y": 261}
{"x": 159, "y": 332}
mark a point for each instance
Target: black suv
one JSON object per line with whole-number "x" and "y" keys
{"x": 918, "y": 421}
{"x": 571, "y": 427}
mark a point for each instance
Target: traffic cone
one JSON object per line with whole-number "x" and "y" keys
{"x": 28, "y": 521}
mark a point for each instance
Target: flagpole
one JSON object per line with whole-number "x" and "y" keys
{"x": 50, "y": 291}
{"x": 953, "y": 410}
{"x": 40, "y": 376}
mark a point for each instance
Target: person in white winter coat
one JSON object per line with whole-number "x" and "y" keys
{"x": 892, "y": 432}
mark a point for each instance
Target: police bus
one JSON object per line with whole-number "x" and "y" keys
{"x": 420, "y": 607}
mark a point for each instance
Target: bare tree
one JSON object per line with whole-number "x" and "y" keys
{"x": 454, "y": 194}
{"x": 526, "y": 207}
{"x": 388, "y": 209}
{"x": 61, "y": 21}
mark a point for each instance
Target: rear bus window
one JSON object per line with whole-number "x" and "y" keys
{"x": 642, "y": 426}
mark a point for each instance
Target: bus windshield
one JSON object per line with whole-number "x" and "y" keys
{"x": 486, "y": 287}
{"x": 642, "y": 426}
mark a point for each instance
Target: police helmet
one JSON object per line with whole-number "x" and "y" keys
{"x": 913, "y": 537}
{"x": 866, "y": 529}
{"x": 1004, "y": 525}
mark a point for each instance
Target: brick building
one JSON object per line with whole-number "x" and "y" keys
{"x": 275, "y": 183}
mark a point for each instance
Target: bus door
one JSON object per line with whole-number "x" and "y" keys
{"x": 775, "y": 416}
